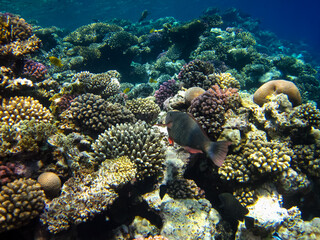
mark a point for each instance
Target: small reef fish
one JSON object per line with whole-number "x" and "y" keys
{"x": 152, "y": 30}
{"x": 231, "y": 208}
{"x": 126, "y": 90}
{"x": 185, "y": 131}
{"x": 143, "y": 16}
{"x": 55, "y": 61}
{"x": 151, "y": 80}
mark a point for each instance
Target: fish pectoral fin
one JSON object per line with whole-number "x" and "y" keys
{"x": 192, "y": 150}
{"x": 171, "y": 142}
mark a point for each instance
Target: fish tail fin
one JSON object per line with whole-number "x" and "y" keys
{"x": 217, "y": 151}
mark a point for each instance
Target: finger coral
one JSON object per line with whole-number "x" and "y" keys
{"x": 141, "y": 143}
{"x": 166, "y": 90}
{"x": 16, "y": 108}
{"x": 20, "y": 201}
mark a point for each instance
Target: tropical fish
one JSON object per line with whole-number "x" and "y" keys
{"x": 126, "y": 90}
{"x": 231, "y": 208}
{"x": 143, "y": 16}
{"x": 152, "y": 30}
{"x": 185, "y": 130}
{"x": 55, "y": 61}
{"x": 151, "y": 80}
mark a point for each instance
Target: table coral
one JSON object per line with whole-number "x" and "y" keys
{"x": 92, "y": 112}
{"x": 84, "y": 196}
{"x": 16, "y": 108}
{"x": 140, "y": 142}
{"x": 144, "y": 109}
{"x": 20, "y": 201}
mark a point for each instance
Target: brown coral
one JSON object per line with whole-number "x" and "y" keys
{"x": 20, "y": 202}
{"x": 275, "y": 87}
{"x": 50, "y": 183}
{"x": 17, "y": 109}
{"x": 144, "y": 109}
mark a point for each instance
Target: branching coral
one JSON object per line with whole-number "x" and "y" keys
{"x": 91, "y": 112}
{"x": 224, "y": 80}
{"x": 166, "y": 90}
{"x": 144, "y": 109}
{"x": 83, "y": 197}
{"x": 195, "y": 74}
{"x": 20, "y": 201}
{"x": 16, "y": 109}
{"x": 141, "y": 143}
{"x": 210, "y": 107}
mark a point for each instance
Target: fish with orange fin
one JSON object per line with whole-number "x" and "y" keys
{"x": 185, "y": 131}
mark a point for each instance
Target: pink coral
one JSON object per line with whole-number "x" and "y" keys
{"x": 34, "y": 70}
{"x": 8, "y": 172}
{"x": 166, "y": 90}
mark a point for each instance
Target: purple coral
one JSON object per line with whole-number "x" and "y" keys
{"x": 9, "y": 172}
{"x": 166, "y": 90}
{"x": 34, "y": 70}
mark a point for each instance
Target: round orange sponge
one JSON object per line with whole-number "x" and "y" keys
{"x": 275, "y": 87}
{"x": 50, "y": 183}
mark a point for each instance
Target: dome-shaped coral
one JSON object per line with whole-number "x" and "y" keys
{"x": 50, "y": 183}
{"x": 275, "y": 87}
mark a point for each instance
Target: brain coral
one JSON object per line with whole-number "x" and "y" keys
{"x": 92, "y": 112}
{"x": 20, "y": 201}
{"x": 144, "y": 109}
{"x": 195, "y": 74}
{"x": 105, "y": 84}
{"x": 82, "y": 197}
{"x": 141, "y": 143}
{"x": 276, "y": 87}
{"x": 16, "y": 109}
{"x": 210, "y": 107}
{"x": 50, "y": 183}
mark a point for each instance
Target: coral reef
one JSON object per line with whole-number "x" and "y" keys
{"x": 165, "y": 91}
{"x": 50, "y": 183}
{"x": 144, "y": 109}
{"x": 21, "y": 108}
{"x": 210, "y": 107}
{"x": 141, "y": 143}
{"x": 83, "y": 197}
{"x": 276, "y": 87}
{"x": 92, "y": 112}
{"x": 34, "y": 70}
{"x": 20, "y": 201}
{"x": 192, "y": 93}
{"x": 8, "y": 172}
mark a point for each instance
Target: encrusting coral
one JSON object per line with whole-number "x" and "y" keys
{"x": 82, "y": 197}
{"x": 20, "y": 201}
{"x": 144, "y": 109}
{"x": 140, "y": 142}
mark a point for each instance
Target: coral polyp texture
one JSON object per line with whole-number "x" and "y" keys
{"x": 16, "y": 109}
{"x": 92, "y": 112}
{"x": 16, "y": 37}
{"x": 165, "y": 91}
{"x": 82, "y": 197}
{"x": 195, "y": 74}
{"x": 105, "y": 84}
{"x": 140, "y": 142}
{"x": 144, "y": 109}
{"x": 34, "y": 70}
{"x": 210, "y": 107}
{"x": 20, "y": 201}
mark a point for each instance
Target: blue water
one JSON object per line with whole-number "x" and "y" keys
{"x": 295, "y": 20}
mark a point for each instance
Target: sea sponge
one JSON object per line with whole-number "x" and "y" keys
{"x": 144, "y": 109}
{"x": 141, "y": 143}
{"x": 17, "y": 108}
{"x": 20, "y": 201}
{"x": 192, "y": 93}
{"x": 50, "y": 183}
{"x": 93, "y": 113}
{"x": 275, "y": 87}
{"x": 84, "y": 196}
